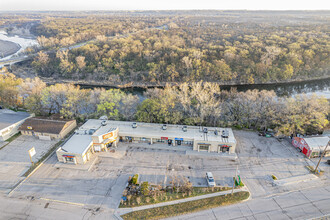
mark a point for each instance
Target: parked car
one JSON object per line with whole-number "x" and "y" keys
{"x": 210, "y": 179}
{"x": 265, "y": 134}
{"x": 328, "y": 161}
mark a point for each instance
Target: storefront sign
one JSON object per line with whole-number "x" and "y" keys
{"x": 164, "y": 138}
{"x": 69, "y": 156}
{"x": 106, "y": 136}
{"x": 179, "y": 139}
{"x": 32, "y": 152}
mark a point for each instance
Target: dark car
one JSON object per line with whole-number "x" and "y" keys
{"x": 265, "y": 134}
{"x": 328, "y": 161}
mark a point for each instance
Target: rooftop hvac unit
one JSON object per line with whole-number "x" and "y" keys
{"x": 91, "y": 131}
{"x": 104, "y": 123}
{"x": 164, "y": 127}
{"x": 104, "y": 117}
{"x": 225, "y": 134}
{"x": 216, "y": 132}
{"x": 184, "y": 128}
{"x": 205, "y": 130}
{"x": 134, "y": 125}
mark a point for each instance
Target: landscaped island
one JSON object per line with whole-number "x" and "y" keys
{"x": 187, "y": 207}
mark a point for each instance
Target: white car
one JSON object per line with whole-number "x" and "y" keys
{"x": 210, "y": 179}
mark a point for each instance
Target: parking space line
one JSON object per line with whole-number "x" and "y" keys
{"x": 65, "y": 202}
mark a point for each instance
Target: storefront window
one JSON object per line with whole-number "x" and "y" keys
{"x": 224, "y": 148}
{"x": 204, "y": 147}
{"x": 69, "y": 159}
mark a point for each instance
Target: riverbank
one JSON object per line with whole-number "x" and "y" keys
{"x": 131, "y": 85}
{"x": 8, "y": 48}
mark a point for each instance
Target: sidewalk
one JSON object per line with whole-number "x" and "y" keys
{"x": 159, "y": 147}
{"x": 183, "y": 149}
{"x": 84, "y": 167}
{"x": 295, "y": 179}
{"x": 122, "y": 211}
{"x": 211, "y": 154}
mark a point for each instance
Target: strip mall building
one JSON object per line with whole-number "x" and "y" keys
{"x": 98, "y": 135}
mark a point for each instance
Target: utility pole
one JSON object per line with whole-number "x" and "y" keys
{"x": 325, "y": 149}
{"x": 232, "y": 191}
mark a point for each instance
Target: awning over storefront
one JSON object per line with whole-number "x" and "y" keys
{"x": 69, "y": 156}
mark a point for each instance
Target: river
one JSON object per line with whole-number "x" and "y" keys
{"x": 23, "y": 42}
{"x": 319, "y": 87}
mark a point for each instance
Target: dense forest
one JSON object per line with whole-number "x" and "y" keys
{"x": 201, "y": 103}
{"x": 155, "y": 48}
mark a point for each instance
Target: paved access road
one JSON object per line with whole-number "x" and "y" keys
{"x": 303, "y": 204}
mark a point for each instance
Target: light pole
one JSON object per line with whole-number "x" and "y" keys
{"x": 325, "y": 149}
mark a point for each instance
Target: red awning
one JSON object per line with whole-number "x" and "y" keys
{"x": 70, "y": 156}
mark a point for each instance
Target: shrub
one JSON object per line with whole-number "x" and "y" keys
{"x": 138, "y": 200}
{"x": 145, "y": 188}
{"x": 135, "y": 179}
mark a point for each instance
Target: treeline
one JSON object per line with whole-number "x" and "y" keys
{"x": 201, "y": 103}
{"x": 55, "y": 32}
{"x": 187, "y": 49}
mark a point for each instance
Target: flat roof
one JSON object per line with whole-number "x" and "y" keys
{"x": 8, "y": 117}
{"x": 78, "y": 144}
{"x": 173, "y": 131}
{"x": 90, "y": 124}
{"x": 105, "y": 129}
{"x": 317, "y": 142}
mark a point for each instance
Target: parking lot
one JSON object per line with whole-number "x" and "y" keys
{"x": 15, "y": 160}
{"x": 101, "y": 187}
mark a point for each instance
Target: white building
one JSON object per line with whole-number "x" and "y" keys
{"x": 10, "y": 122}
{"x": 97, "y": 135}
{"x": 91, "y": 137}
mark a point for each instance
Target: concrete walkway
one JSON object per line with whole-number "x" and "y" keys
{"x": 184, "y": 149}
{"x": 122, "y": 211}
{"x": 295, "y": 179}
{"x": 211, "y": 154}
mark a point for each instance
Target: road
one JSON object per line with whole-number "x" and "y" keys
{"x": 302, "y": 204}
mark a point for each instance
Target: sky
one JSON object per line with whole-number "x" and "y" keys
{"x": 54, "y": 5}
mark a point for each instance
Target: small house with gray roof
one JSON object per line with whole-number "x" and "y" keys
{"x": 10, "y": 122}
